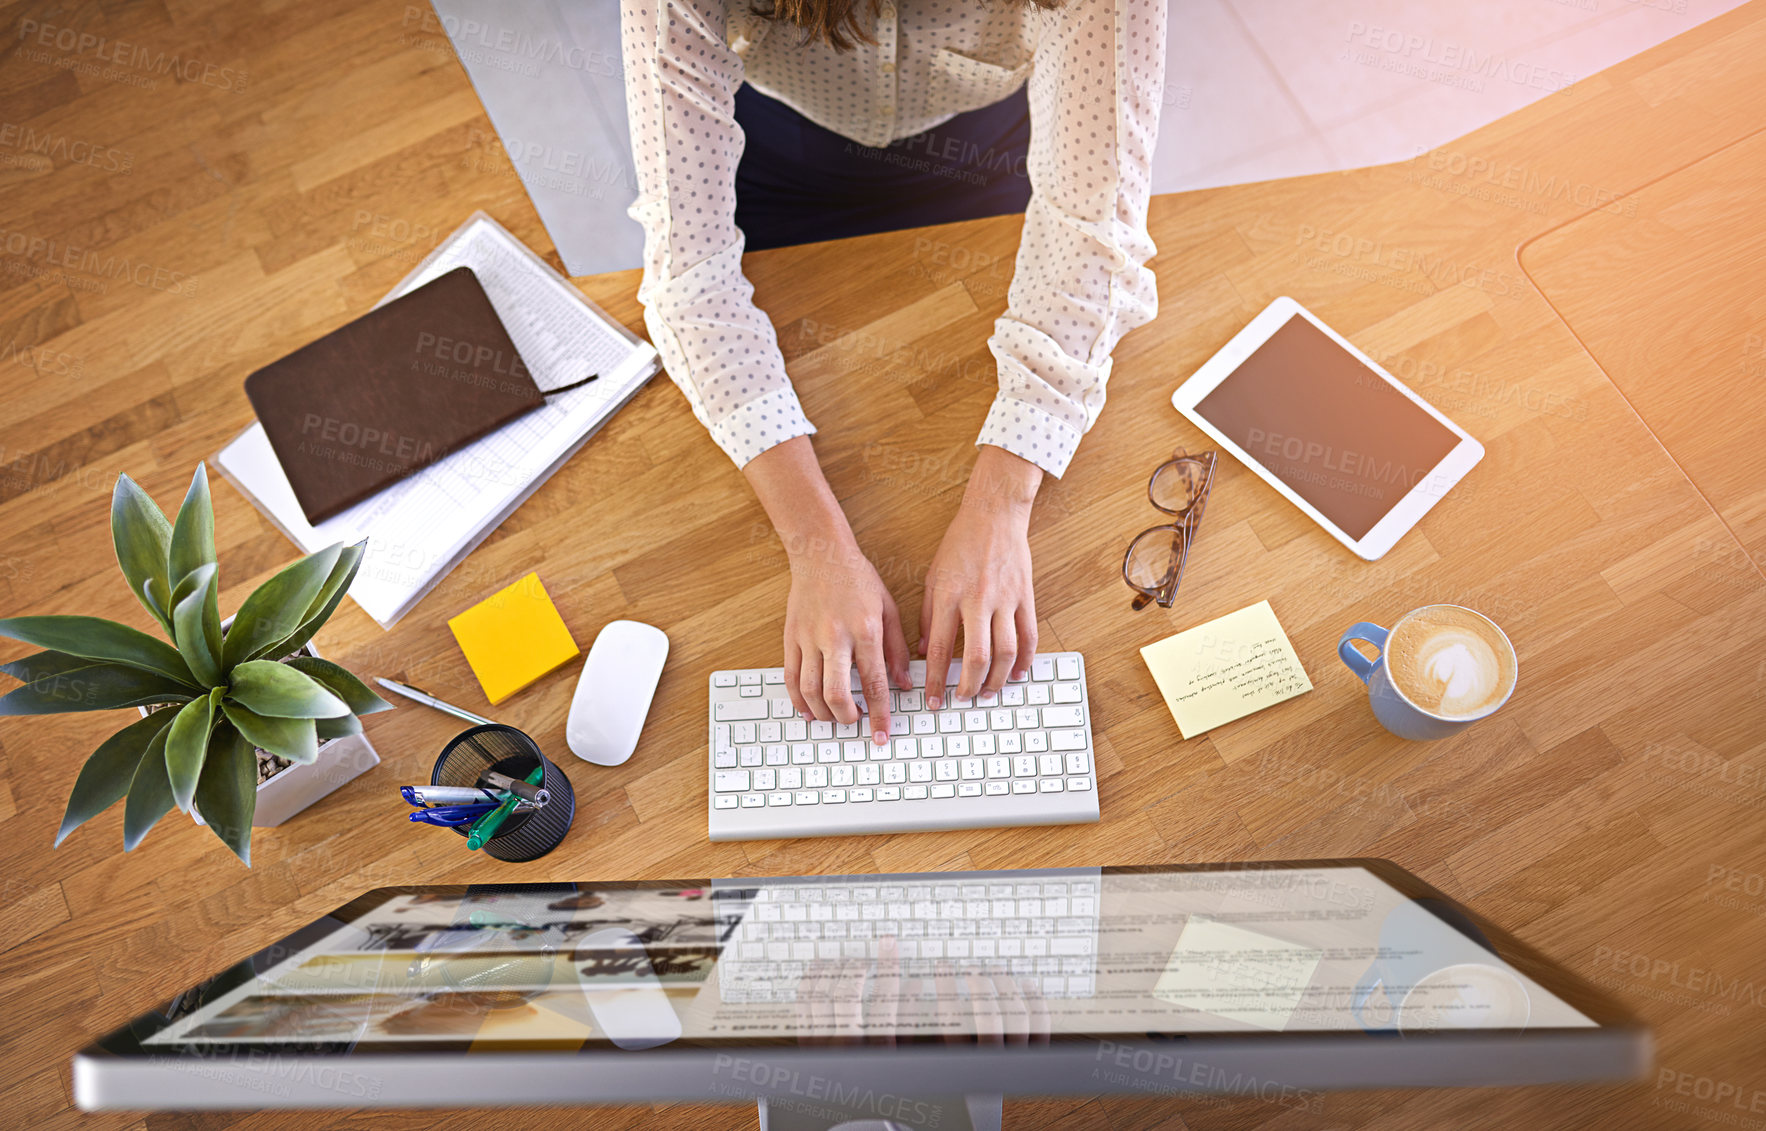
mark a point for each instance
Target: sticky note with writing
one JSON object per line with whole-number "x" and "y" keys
{"x": 1226, "y": 669}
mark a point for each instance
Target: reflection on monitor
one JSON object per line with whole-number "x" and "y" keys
{"x": 1074, "y": 953}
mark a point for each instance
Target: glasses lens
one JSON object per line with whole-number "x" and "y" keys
{"x": 1153, "y": 558}
{"x": 1178, "y": 484}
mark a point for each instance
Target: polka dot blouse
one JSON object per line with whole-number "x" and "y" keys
{"x": 1095, "y": 69}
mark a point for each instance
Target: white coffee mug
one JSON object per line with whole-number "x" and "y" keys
{"x": 1395, "y": 712}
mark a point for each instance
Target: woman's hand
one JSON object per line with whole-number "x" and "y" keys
{"x": 980, "y": 581}
{"x": 839, "y": 612}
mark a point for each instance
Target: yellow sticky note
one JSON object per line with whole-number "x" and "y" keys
{"x": 1226, "y": 669}
{"x": 513, "y": 637}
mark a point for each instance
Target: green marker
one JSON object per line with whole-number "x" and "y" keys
{"x": 486, "y": 826}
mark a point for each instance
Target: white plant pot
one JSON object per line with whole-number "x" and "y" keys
{"x": 298, "y": 785}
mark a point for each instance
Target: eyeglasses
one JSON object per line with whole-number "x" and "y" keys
{"x": 1153, "y": 566}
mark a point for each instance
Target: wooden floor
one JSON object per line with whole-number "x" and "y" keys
{"x": 1577, "y": 284}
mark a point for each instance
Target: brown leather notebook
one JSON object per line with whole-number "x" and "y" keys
{"x": 391, "y": 393}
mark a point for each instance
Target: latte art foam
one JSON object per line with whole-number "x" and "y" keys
{"x": 1450, "y": 661}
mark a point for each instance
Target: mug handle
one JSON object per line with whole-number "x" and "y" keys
{"x": 1359, "y": 664}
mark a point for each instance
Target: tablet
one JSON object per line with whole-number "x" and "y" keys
{"x": 1323, "y": 424}
{"x": 1289, "y": 979}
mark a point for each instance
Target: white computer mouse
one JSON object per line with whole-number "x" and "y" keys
{"x": 624, "y": 994}
{"x": 614, "y": 691}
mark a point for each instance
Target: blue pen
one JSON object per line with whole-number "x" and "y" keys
{"x": 451, "y": 816}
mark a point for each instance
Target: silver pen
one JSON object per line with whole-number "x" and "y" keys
{"x": 429, "y": 700}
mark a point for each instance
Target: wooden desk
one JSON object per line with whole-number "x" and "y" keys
{"x": 1611, "y": 815}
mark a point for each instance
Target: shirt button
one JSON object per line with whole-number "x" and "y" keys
{"x": 888, "y": 68}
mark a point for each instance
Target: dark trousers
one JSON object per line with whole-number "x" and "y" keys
{"x": 800, "y": 183}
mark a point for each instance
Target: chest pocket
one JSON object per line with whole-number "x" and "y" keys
{"x": 960, "y": 82}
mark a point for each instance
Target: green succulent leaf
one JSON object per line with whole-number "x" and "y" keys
{"x": 294, "y": 739}
{"x": 341, "y": 726}
{"x": 105, "y": 777}
{"x": 187, "y": 746}
{"x": 193, "y": 534}
{"x": 42, "y": 665}
{"x": 270, "y": 688}
{"x": 98, "y": 639}
{"x": 98, "y": 687}
{"x": 227, "y": 794}
{"x": 142, "y": 537}
{"x": 341, "y": 683}
{"x": 277, "y": 608}
{"x": 196, "y": 625}
{"x": 337, "y": 584}
{"x": 150, "y": 792}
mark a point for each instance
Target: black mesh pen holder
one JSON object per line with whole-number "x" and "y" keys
{"x": 523, "y": 836}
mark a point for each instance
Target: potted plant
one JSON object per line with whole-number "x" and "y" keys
{"x": 218, "y": 699}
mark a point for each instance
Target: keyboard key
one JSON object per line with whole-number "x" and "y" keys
{"x": 776, "y": 799}
{"x": 723, "y": 679}
{"x": 981, "y": 744}
{"x": 748, "y": 679}
{"x": 950, "y": 722}
{"x": 910, "y": 701}
{"x": 724, "y": 760}
{"x": 881, "y": 753}
{"x": 775, "y": 755}
{"x": 1068, "y": 693}
{"x": 833, "y": 797}
{"x": 975, "y": 720}
{"x": 812, "y": 797}
{"x": 839, "y": 775}
{"x": 765, "y": 780}
{"x": 1037, "y": 695}
{"x": 1067, "y": 667}
{"x": 1036, "y": 741}
{"x": 946, "y": 769}
{"x": 888, "y": 793}
{"x": 1042, "y": 669}
{"x": 791, "y": 778}
{"x": 770, "y": 731}
{"x": 1078, "y": 785}
{"x": 1010, "y": 742}
{"x": 745, "y": 734}
{"x": 820, "y": 729}
{"x": 802, "y": 754}
{"x": 1024, "y": 766}
{"x": 827, "y": 752}
{"x": 776, "y": 676}
{"x": 796, "y": 730}
{"x": 919, "y": 771}
{"x": 957, "y": 746}
{"x": 1011, "y": 696}
{"x": 720, "y": 737}
{"x": 815, "y": 777}
{"x": 972, "y": 769}
{"x": 966, "y": 789}
{"x": 753, "y": 800}
{"x": 1050, "y": 785}
{"x": 868, "y": 774}
{"x": 1062, "y": 717}
{"x": 752, "y": 691}
{"x": 1049, "y": 764}
{"x": 1023, "y": 786}
{"x": 749, "y": 756}
{"x": 1000, "y": 718}
{"x": 914, "y": 793}
{"x": 898, "y": 724}
{"x": 944, "y": 789}
{"x": 724, "y": 801}
{"x": 846, "y": 730}
{"x": 999, "y": 767}
{"x": 729, "y": 781}
{"x": 1067, "y": 740}
{"x": 925, "y": 724}
{"x": 853, "y": 750}
{"x": 1076, "y": 762}
{"x": 994, "y": 788}
{"x": 858, "y": 795}
{"x": 896, "y": 772}
{"x": 782, "y": 709}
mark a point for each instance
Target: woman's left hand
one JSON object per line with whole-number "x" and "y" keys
{"x": 980, "y": 582}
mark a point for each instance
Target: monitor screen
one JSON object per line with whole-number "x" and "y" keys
{"x": 1071, "y": 953}
{"x": 1339, "y": 434}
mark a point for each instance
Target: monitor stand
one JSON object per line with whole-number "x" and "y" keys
{"x": 883, "y": 1112}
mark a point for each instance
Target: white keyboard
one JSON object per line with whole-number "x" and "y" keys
{"x": 1041, "y": 925}
{"x": 1022, "y": 756}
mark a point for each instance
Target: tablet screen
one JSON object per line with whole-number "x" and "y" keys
{"x": 1337, "y": 433}
{"x": 937, "y": 957}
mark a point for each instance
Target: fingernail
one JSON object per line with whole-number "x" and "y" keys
{"x": 806, "y": 716}
{"x": 935, "y": 701}
{"x": 879, "y": 738}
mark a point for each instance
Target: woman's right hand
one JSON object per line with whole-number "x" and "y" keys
{"x": 840, "y": 614}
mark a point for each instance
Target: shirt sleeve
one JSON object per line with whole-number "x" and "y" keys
{"x": 1081, "y": 280}
{"x": 681, "y": 81}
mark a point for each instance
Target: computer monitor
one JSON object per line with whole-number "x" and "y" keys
{"x": 1275, "y": 980}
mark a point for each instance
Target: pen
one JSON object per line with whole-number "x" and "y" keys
{"x": 520, "y": 789}
{"x": 452, "y": 816}
{"x": 486, "y": 826}
{"x": 448, "y": 795}
{"x": 429, "y": 700}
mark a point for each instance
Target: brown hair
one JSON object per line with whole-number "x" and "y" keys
{"x": 840, "y": 23}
